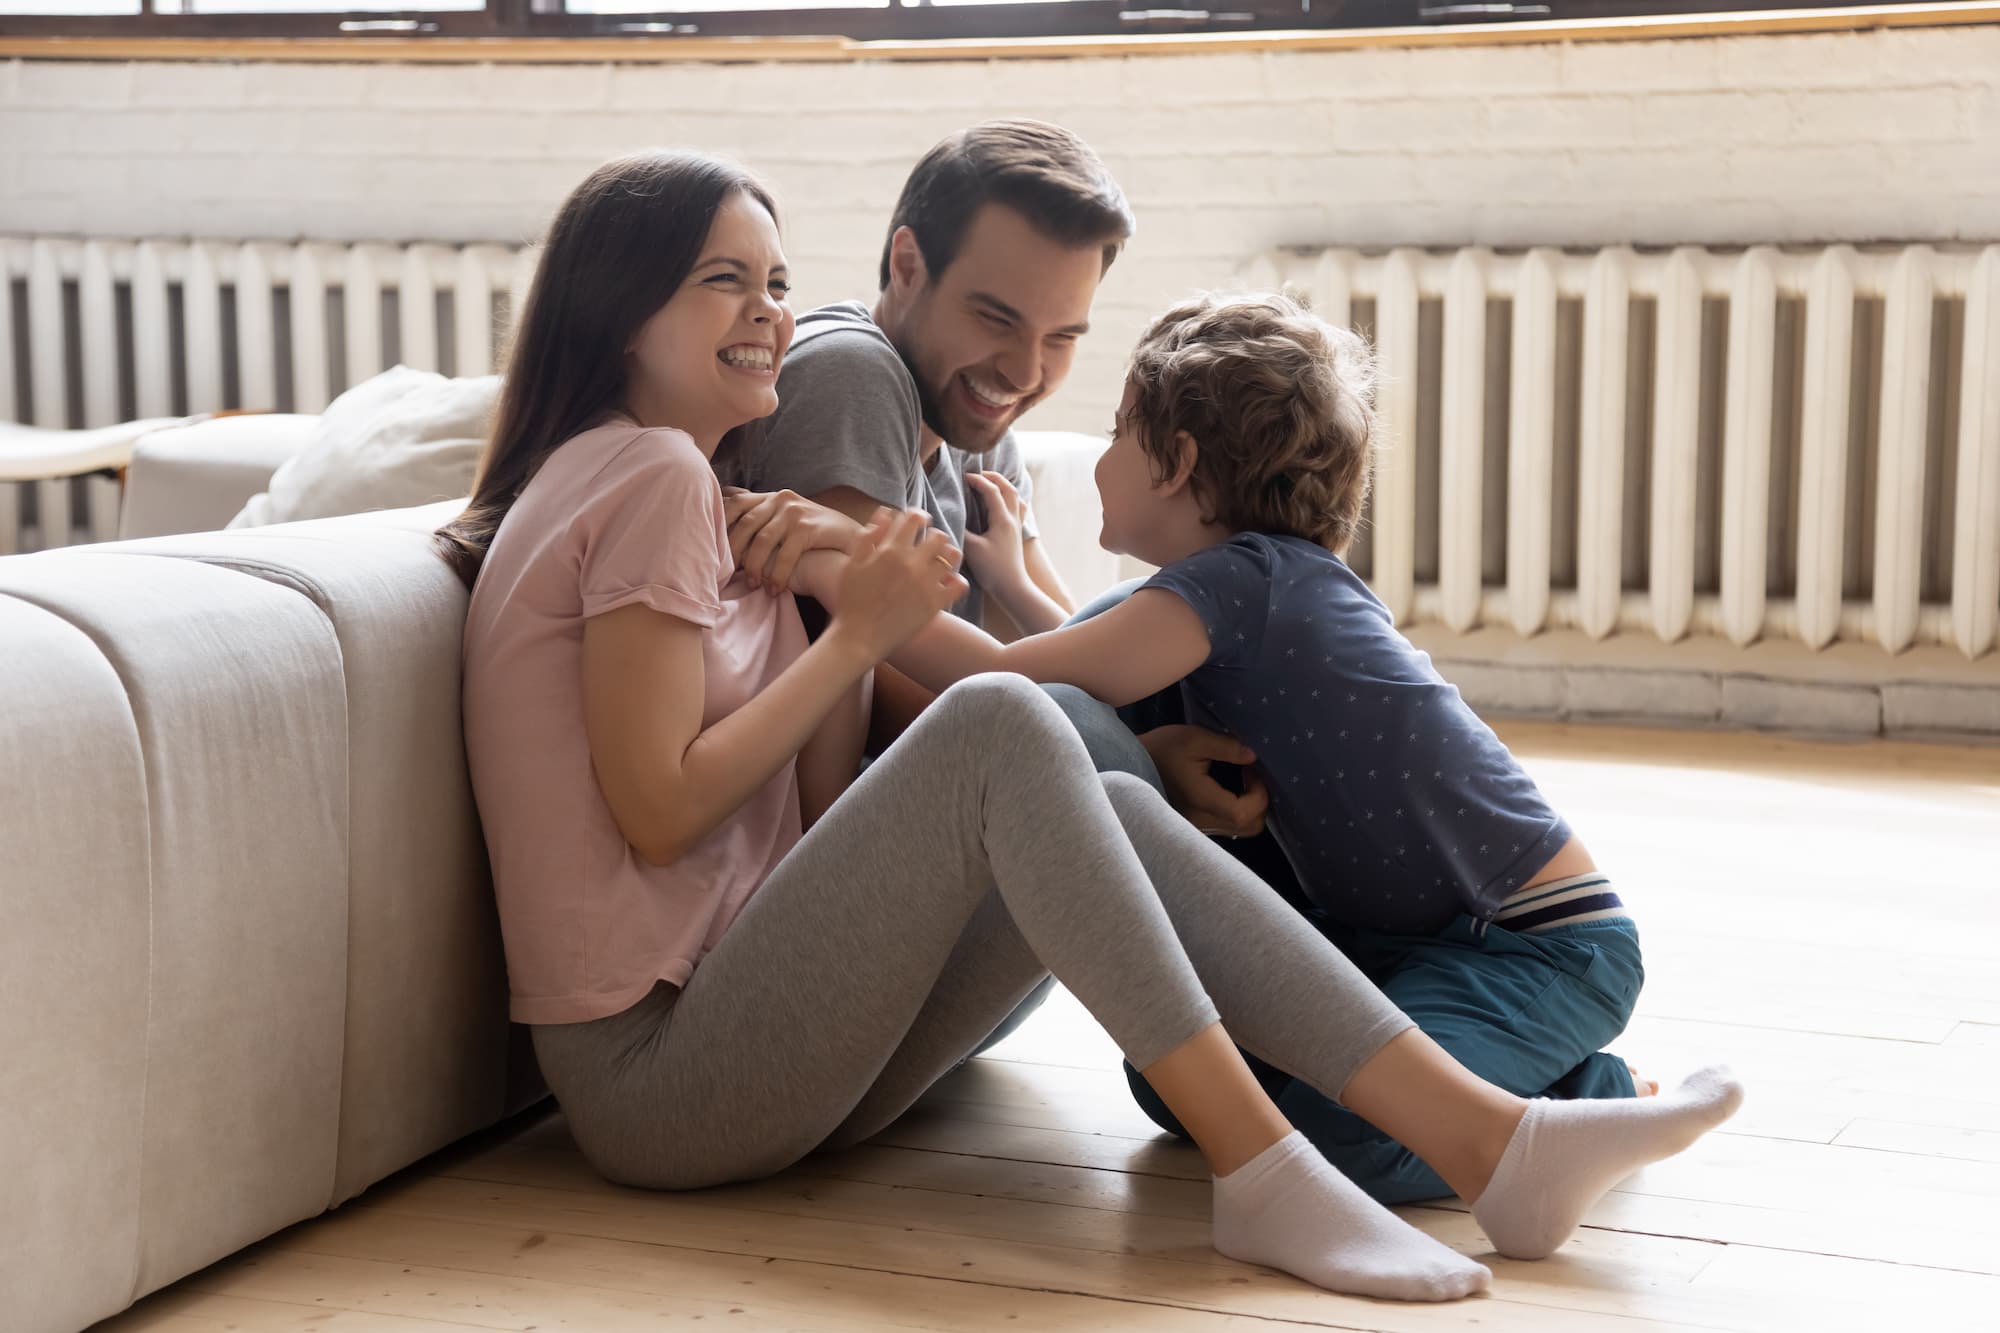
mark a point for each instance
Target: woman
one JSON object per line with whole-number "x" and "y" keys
{"x": 733, "y": 952}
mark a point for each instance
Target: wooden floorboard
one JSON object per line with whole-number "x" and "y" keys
{"x": 1823, "y": 917}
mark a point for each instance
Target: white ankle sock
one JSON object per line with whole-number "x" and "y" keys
{"x": 1566, "y": 1154}
{"x": 1286, "y": 1208}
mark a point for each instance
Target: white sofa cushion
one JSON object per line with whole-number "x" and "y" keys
{"x": 73, "y": 973}
{"x": 196, "y": 477}
{"x": 234, "y": 692}
{"x": 405, "y": 437}
{"x": 425, "y": 1052}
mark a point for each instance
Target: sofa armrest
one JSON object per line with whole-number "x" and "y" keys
{"x": 196, "y": 478}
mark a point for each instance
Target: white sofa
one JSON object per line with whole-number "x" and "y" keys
{"x": 196, "y": 477}
{"x": 251, "y": 963}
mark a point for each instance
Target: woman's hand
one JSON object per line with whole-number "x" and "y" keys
{"x": 768, "y": 534}
{"x": 900, "y": 573}
{"x": 996, "y": 556}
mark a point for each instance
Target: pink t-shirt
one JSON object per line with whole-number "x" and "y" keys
{"x": 618, "y": 514}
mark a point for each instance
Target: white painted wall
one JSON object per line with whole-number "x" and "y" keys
{"x": 1862, "y": 136}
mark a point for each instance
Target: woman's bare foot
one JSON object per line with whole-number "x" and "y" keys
{"x": 1647, "y": 1087}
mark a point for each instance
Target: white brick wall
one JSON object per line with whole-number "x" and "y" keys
{"x": 1847, "y": 136}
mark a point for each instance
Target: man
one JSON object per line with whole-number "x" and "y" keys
{"x": 994, "y": 254}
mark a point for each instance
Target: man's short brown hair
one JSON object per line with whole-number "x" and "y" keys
{"x": 1041, "y": 171}
{"x": 1281, "y": 407}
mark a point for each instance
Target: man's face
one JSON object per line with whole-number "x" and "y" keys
{"x": 993, "y": 334}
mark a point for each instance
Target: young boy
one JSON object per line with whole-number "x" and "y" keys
{"x": 1239, "y": 465}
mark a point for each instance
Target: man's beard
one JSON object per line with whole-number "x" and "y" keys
{"x": 930, "y": 406}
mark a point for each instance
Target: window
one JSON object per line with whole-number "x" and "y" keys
{"x": 71, "y": 8}
{"x": 860, "y": 19}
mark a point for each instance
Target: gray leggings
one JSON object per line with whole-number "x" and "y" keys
{"x": 980, "y": 853}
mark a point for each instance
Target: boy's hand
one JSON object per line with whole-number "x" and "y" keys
{"x": 769, "y": 533}
{"x": 995, "y": 556}
{"x": 1183, "y": 755}
{"x": 900, "y": 573}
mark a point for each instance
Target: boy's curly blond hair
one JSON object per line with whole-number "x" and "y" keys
{"x": 1280, "y": 403}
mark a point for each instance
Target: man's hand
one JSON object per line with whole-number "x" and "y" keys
{"x": 769, "y": 533}
{"x": 1183, "y": 754}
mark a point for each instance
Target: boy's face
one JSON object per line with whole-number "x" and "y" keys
{"x": 995, "y": 333}
{"x": 1133, "y": 507}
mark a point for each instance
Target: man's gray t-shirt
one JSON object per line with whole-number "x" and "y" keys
{"x": 848, "y": 415}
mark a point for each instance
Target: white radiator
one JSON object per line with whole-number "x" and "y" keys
{"x": 1786, "y": 443}
{"x": 93, "y": 332}
{"x": 1798, "y": 444}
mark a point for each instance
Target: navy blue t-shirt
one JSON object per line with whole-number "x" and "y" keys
{"x": 1396, "y": 806}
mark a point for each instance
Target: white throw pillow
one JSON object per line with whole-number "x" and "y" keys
{"x": 406, "y": 437}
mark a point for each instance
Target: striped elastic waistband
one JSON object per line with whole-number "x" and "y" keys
{"x": 1560, "y": 902}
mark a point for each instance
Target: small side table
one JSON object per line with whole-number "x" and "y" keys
{"x": 50, "y": 459}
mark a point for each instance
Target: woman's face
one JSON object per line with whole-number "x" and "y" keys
{"x": 707, "y": 361}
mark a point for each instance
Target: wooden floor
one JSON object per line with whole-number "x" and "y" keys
{"x": 1824, "y": 917}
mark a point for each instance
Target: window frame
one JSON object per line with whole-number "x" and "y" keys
{"x": 900, "y": 21}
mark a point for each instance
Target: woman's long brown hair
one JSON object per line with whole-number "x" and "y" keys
{"x": 621, "y": 245}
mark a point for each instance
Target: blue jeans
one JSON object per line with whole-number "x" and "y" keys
{"x": 1528, "y": 1013}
